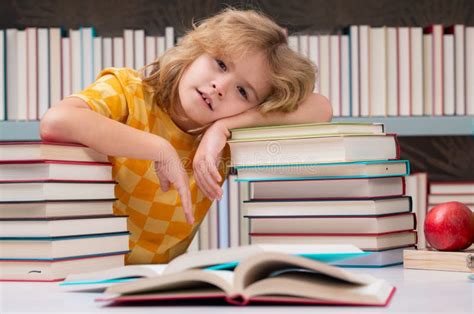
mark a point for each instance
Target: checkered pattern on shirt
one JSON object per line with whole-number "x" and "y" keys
{"x": 158, "y": 227}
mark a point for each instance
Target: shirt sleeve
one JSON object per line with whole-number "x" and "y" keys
{"x": 107, "y": 95}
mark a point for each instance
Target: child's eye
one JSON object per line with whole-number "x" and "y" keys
{"x": 221, "y": 64}
{"x": 242, "y": 92}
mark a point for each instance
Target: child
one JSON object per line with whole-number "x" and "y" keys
{"x": 170, "y": 128}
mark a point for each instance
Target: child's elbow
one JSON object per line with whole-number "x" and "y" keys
{"x": 51, "y": 125}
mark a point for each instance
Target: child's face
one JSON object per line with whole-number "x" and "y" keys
{"x": 212, "y": 88}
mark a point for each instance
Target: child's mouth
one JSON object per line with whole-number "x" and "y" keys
{"x": 206, "y": 99}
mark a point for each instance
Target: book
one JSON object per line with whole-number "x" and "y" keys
{"x": 42, "y": 170}
{"x": 451, "y": 187}
{"x": 27, "y": 150}
{"x": 55, "y": 190}
{"x": 429, "y": 259}
{"x": 382, "y": 258}
{"x": 62, "y": 226}
{"x": 51, "y": 248}
{"x": 315, "y": 149}
{"x": 351, "y": 207}
{"x": 328, "y": 224}
{"x": 282, "y": 278}
{"x": 340, "y": 170}
{"x": 305, "y": 129}
{"x": 328, "y": 189}
{"x": 443, "y": 198}
{"x": 216, "y": 259}
{"x": 50, "y": 209}
{"x": 417, "y": 187}
{"x": 372, "y": 242}
{"x": 57, "y": 269}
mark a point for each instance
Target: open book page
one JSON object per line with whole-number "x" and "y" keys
{"x": 276, "y": 274}
{"x": 191, "y": 281}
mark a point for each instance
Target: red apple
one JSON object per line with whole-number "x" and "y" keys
{"x": 449, "y": 226}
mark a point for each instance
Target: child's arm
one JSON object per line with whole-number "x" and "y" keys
{"x": 316, "y": 108}
{"x": 73, "y": 121}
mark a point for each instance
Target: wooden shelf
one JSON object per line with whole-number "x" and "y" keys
{"x": 403, "y": 126}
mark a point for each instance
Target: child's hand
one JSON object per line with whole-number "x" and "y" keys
{"x": 206, "y": 160}
{"x": 170, "y": 169}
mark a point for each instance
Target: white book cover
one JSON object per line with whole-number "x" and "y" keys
{"x": 107, "y": 52}
{"x": 459, "y": 70}
{"x": 416, "y": 69}
{"x": 160, "y": 46}
{"x": 438, "y": 91}
{"x": 150, "y": 52}
{"x": 22, "y": 86}
{"x": 416, "y": 187}
{"x": 87, "y": 52}
{"x": 345, "y": 77}
{"x": 313, "y": 54}
{"x": 223, "y": 214}
{"x": 293, "y": 43}
{"x": 378, "y": 72}
{"x": 76, "y": 60}
{"x": 324, "y": 66}
{"x": 448, "y": 75}
{"x": 355, "y": 71}
{"x": 12, "y": 73}
{"x": 169, "y": 37}
{"x": 392, "y": 72}
{"x": 364, "y": 78}
{"x": 427, "y": 74}
{"x": 404, "y": 77}
{"x": 139, "y": 48}
{"x": 55, "y": 66}
{"x": 194, "y": 245}
{"x": 335, "y": 74}
{"x": 129, "y": 48}
{"x": 66, "y": 67}
{"x": 213, "y": 226}
{"x": 469, "y": 70}
{"x": 98, "y": 66}
{"x": 303, "y": 43}
{"x": 32, "y": 73}
{"x": 118, "y": 51}
{"x": 234, "y": 211}
{"x": 204, "y": 233}
{"x": 3, "y": 103}
{"x": 43, "y": 71}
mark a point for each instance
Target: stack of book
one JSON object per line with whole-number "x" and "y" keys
{"x": 328, "y": 183}
{"x": 56, "y": 215}
{"x": 442, "y": 192}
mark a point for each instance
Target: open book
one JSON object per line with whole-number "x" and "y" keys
{"x": 222, "y": 259}
{"x": 268, "y": 277}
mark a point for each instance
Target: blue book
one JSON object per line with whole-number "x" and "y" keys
{"x": 324, "y": 171}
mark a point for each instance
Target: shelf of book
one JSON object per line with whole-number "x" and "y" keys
{"x": 403, "y": 126}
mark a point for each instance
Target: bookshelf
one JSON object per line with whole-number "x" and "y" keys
{"x": 403, "y": 126}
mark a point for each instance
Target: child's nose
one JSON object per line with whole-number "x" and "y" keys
{"x": 218, "y": 90}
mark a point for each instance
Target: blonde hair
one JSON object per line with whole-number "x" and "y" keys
{"x": 233, "y": 33}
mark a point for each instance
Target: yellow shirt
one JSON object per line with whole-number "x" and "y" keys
{"x": 156, "y": 221}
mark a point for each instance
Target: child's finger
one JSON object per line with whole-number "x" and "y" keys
{"x": 185, "y": 195}
{"x": 203, "y": 187}
{"x": 212, "y": 184}
{"x": 203, "y": 174}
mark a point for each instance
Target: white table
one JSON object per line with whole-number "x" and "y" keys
{"x": 418, "y": 291}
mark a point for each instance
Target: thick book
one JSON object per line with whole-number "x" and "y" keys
{"x": 37, "y": 150}
{"x": 328, "y": 189}
{"x": 217, "y": 259}
{"x": 63, "y": 226}
{"x": 57, "y": 269}
{"x": 52, "y": 209}
{"x": 55, "y": 190}
{"x": 340, "y": 170}
{"x": 381, "y": 258}
{"x": 457, "y": 187}
{"x": 42, "y": 170}
{"x": 50, "y": 248}
{"x": 305, "y": 129}
{"x": 429, "y": 259}
{"x": 329, "y": 224}
{"x": 333, "y": 208}
{"x": 282, "y": 279}
{"x": 314, "y": 149}
{"x": 370, "y": 242}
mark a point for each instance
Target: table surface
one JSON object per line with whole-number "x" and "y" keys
{"x": 418, "y": 291}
